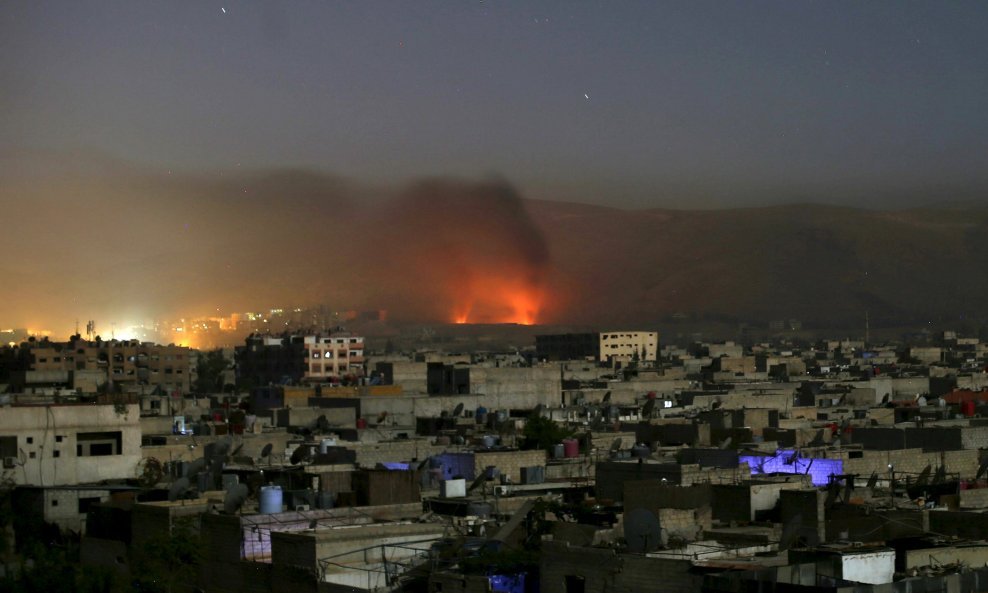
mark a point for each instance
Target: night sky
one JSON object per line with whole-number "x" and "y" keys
{"x": 450, "y": 160}
{"x": 633, "y": 104}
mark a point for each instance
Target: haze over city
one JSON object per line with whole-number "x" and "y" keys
{"x": 484, "y": 162}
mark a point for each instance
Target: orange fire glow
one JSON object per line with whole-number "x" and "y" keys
{"x": 498, "y": 300}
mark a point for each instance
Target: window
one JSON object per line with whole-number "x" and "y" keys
{"x": 575, "y": 584}
{"x": 30, "y": 440}
{"x": 58, "y": 438}
{"x": 86, "y": 503}
{"x": 8, "y": 446}
{"x": 98, "y": 444}
{"x": 56, "y": 453}
{"x": 54, "y": 502}
{"x": 315, "y": 355}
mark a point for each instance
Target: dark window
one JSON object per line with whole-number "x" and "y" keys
{"x": 54, "y": 502}
{"x": 855, "y": 454}
{"x": 85, "y": 503}
{"x": 30, "y": 440}
{"x": 56, "y": 453}
{"x": 58, "y": 439}
{"x": 96, "y": 444}
{"x": 8, "y": 446}
{"x": 575, "y": 584}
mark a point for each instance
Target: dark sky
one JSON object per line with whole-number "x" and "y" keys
{"x": 685, "y": 104}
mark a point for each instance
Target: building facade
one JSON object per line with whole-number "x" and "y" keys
{"x": 626, "y": 346}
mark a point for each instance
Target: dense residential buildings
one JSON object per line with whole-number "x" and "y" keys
{"x": 708, "y": 466}
{"x": 85, "y": 366}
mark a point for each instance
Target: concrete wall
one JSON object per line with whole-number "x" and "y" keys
{"x": 969, "y": 555}
{"x": 47, "y": 444}
{"x": 351, "y": 551}
{"x": 605, "y": 570}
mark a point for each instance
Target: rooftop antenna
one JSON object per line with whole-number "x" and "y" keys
{"x": 867, "y": 330}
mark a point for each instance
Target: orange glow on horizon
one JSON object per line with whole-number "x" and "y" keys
{"x": 495, "y": 300}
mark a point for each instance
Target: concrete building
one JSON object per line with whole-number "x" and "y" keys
{"x": 628, "y": 346}
{"x": 83, "y": 366}
{"x": 63, "y": 445}
{"x": 268, "y": 360}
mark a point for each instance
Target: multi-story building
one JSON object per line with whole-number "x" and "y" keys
{"x": 625, "y": 346}
{"x": 83, "y": 366}
{"x": 568, "y": 346}
{"x": 332, "y": 357}
{"x": 63, "y": 445}
{"x": 266, "y": 360}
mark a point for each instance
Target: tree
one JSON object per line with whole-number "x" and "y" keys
{"x": 543, "y": 433}
{"x": 210, "y": 369}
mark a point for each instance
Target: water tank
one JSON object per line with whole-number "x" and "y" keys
{"x": 967, "y": 408}
{"x": 271, "y": 497}
{"x": 640, "y": 451}
{"x": 361, "y": 423}
{"x": 558, "y": 451}
{"x": 488, "y": 440}
{"x": 480, "y": 415}
{"x": 501, "y": 416}
{"x": 571, "y": 448}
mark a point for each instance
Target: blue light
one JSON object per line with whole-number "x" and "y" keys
{"x": 788, "y": 461}
{"x": 507, "y": 583}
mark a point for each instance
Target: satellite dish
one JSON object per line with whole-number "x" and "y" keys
{"x": 725, "y": 443}
{"x": 458, "y": 410}
{"x": 424, "y": 463}
{"x": 982, "y": 469}
{"x": 301, "y": 453}
{"x": 235, "y": 498}
{"x": 221, "y": 448}
{"x": 642, "y": 531}
{"x": 616, "y": 444}
{"x": 196, "y": 467}
{"x": 322, "y": 424}
{"x": 178, "y": 489}
{"x": 538, "y": 410}
{"x": 940, "y": 475}
{"x": 873, "y": 480}
{"x": 477, "y": 482}
{"x": 789, "y": 532}
{"x": 236, "y": 450}
{"x": 606, "y": 398}
{"x": 923, "y": 476}
{"x": 266, "y": 451}
{"x": 648, "y": 408}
